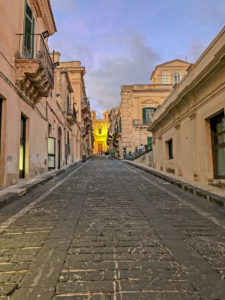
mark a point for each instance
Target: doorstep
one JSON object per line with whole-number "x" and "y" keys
{"x": 205, "y": 191}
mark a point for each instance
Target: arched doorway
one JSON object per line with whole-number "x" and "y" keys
{"x": 59, "y": 147}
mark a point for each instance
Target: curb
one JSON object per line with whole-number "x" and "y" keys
{"x": 15, "y": 193}
{"x": 219, "y": 200}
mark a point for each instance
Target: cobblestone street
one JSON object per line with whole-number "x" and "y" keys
{"x": 106, "y": 230}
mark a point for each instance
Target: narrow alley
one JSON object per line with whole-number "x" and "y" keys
{"x": 106, "y": 230}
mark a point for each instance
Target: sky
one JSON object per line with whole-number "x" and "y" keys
{"x": 119, "y": 42}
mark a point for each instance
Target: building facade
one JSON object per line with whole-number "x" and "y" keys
{"x": 114, "y": 131}
{"x": 84, "y": 134}
{"x": 139, "y": 102}
{"x": 26, "y": 80}
{"x": 39, "y": 125}
{"x": 100, "y": 131}
{"x": 189, "y": 128}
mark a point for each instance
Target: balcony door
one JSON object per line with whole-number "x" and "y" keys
{"x": 22, "y": 147}
{"x": 59, "y": 147}
{"x": 217, "y": 124}
{"x": 28, "y": 43}
{"x": 147, "y": 113}
{"x": 0, "y": 126}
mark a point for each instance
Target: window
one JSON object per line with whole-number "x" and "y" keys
{"x": 149, "y": 142}
{"x": 0, "y": 123}
{"x": 51, "y": 153}
{"x": 217, "y": 125}
{"x": 165, "y": 78}
{"x": 22, "y": 147}
{"x": 170, "y": 148}
{"x": 120, "y": 125}
{"x": 176, "y": 77}
{"x": 99, "y": 131}
{"x": 68, "y": 103}
{"x": 68, "y": 144}
{"x": 147, "y": 114}
{"x": 28, "y": 32}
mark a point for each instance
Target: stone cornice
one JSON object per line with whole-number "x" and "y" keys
{"x": 205, "y": 64}
{"x": 43, "y": 10}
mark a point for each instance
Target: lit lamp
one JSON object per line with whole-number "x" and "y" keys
{"x": 56, "y": 64}
{"x": 45, "y": 34}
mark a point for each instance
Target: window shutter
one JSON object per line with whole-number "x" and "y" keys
{"x": 149, "y": 140}
{"x": 28, "y": 32}
{"x": 120, "y": 125}
{"x": 154, "y": 109}
{"x": 144, "y": 115}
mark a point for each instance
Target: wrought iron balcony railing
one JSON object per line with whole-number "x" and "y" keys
{"x": 140, "y": 122}
{"x": 33, "y": 47}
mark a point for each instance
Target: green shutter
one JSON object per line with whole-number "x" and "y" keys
{"x": 28, "y": 32}
{"x": 149, "y": 141}
{"x": 154, "y": 109}
{"x": 120, "y": 125}
{"x": 144, "y": 115}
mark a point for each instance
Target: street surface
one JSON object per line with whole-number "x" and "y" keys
{"x": 106, "y": 230}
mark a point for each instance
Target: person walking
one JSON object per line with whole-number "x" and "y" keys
{"x": 107, "y": 154}
{"x": 112, "y": 153}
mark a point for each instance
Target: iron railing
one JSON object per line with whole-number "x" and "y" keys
{"x": 140, "y": 122}
{"x": 32, "y": 46}
{"x": 70, "y": 110}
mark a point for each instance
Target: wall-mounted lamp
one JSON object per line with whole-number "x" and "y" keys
{"x": 56, "y": 64}
{"x": 45, "y": 34}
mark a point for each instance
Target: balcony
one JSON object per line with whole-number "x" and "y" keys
{"x": 85, "y": 106}
{"x": 71, "y": 114}
{"x": 141, "y": 123}
{"x": 34, "y": 67}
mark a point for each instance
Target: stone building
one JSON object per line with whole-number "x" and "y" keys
{"x": 39, "y": 125}
{"x": 189, "y": 128}
{"x": 139, "y": 102}
{"x": 26, "y": 81}
{"x": 84, "y": 134}
{"x": 114, "y": 132}
{"x": 100, "y": 131}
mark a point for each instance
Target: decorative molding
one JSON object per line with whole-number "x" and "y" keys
{"x": 32, "y": 79}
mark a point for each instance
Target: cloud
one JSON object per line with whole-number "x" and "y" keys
{"x": 104, "y": 84}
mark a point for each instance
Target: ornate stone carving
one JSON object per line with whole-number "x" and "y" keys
{"x": 32, "y": 79}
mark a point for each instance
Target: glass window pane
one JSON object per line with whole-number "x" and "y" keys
{"x": 51, "y": 162}
{"x": 51, "y": 146}
{"x": 221, "y": 162}
{"x": 165, "y": 78}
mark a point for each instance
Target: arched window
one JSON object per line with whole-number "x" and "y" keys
{"x": 176, "y": 77}
{"x": 100, "y": 130}
{"x": 165, "y": 78}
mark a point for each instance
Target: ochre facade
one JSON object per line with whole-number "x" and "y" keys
{"x": 100, "y": 132}
{"x": 189, "y": 128}
{"x": 40, "y": 128}
{"x": 139, "y": 103}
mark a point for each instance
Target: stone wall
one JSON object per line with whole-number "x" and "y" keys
{"x": 145, "y": 159}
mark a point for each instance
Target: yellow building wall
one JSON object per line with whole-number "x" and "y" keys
{"x": 100, "y": 129}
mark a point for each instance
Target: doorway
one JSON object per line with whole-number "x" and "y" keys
{"x": 100, "y": 149}
{"x": 0, "y": 125}
{"x": 217, "y": 125}
{"x": 22, "y": 147}
{"x": 59, "y": 147}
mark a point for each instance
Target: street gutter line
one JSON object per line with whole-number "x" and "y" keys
{"x": 198, "y": 210}
{"x": 22, "y": 212}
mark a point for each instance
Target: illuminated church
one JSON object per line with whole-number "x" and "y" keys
{"x": 100, "y": 131}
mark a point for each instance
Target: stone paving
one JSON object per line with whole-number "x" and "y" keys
{"x": 110, "y": 231}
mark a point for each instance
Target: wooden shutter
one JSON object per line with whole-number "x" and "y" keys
{"x": 144, "y": 115}
{"x": 28, "y": 32}
{"x": 149, "y": 141}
